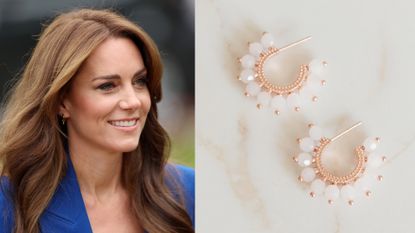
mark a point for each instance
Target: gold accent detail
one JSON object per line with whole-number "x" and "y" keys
{"x": 325, "y": 175}
{"x": 277, "y": 89}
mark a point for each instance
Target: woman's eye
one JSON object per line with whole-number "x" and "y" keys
{"x": 106, "y": 86}
{"x": 141, "y": 82}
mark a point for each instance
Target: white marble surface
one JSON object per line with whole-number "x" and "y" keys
{"x": 246, "y": 179}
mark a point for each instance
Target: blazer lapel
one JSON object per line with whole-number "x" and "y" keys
{"x": 66, "y": 213}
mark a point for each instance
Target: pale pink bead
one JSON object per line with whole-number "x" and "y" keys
{"x": 248, "y": 61}
{"x": 307, "y": 144}
{"x": 317, "y": 187}
{"x": 267, "y": 40}
{"x": 370, "y": 144}
{"x": 264, "y": 98}
{"x": 348, "y": 193}
{"x": 304, "y": 159}
{"x": 255, "y": 49}
{"x": 279, "y": 103}
{"x": 315, "y": 133}
{"x": 308, "y": 174}
{"x": 317, "y": 67}
{"x": 332, "y": 192}
{"x": 247, "y": 75}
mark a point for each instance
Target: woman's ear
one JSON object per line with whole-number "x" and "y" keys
{"x": 64, "y": 108}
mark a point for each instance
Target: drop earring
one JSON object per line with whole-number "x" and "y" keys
{"x": 323, "y": 182}
{"x": 63, "y": 120}
{"x": 279, "y": 97}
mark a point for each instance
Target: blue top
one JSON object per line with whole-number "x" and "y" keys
{"x": 66, "y": 212}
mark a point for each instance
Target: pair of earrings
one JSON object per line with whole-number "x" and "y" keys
{"x": 293, "y": 96}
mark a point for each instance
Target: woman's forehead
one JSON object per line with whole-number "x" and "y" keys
{"x": 115, "y": 55}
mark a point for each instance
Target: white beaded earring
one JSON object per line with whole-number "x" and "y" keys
{"x": 323, "y": 182}
{"x": 279, "y": 97}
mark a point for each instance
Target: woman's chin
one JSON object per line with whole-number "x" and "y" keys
{"x": 126, "y": 147}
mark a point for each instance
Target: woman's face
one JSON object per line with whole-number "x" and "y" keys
{"x": 108, "y": 101}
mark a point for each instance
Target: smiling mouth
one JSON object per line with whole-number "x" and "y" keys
{"x": 125, "y": 123}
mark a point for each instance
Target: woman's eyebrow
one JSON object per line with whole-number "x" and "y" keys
{"x": 107, "y": 77}
{"x": 142, "y": 71}
{"x": 116, "y": 76}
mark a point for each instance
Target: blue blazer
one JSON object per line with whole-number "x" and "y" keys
{"x": 66, "y": 212}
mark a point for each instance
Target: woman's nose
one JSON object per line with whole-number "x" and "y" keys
{"x": 130, "y": 99}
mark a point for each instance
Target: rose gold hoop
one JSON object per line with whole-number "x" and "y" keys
{"x": 277, "y": 89}
{"x": 326, "y": 176}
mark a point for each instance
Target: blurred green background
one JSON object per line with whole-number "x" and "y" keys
{"x": 183, "y": 146}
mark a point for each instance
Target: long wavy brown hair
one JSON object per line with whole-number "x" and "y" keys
{"x": 31, "y": 138}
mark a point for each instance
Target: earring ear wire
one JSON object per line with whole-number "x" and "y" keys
{"x": 294, "y": 44}
{"x": 345, "y": 131}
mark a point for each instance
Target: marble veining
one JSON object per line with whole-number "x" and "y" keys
{"x": 246, "y": 178}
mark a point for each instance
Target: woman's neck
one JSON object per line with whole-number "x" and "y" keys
{"x": 98, "y": 172}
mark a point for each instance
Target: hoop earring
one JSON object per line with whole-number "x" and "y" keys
{"x": 323, "y": 182}
{"x": 279, "y": 97}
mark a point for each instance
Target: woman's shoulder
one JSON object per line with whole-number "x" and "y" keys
{"x": 6, "y": 205}
{"x": 184, "y": 175}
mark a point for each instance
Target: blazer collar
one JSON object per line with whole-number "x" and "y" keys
{"x": 67, "y": 203}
